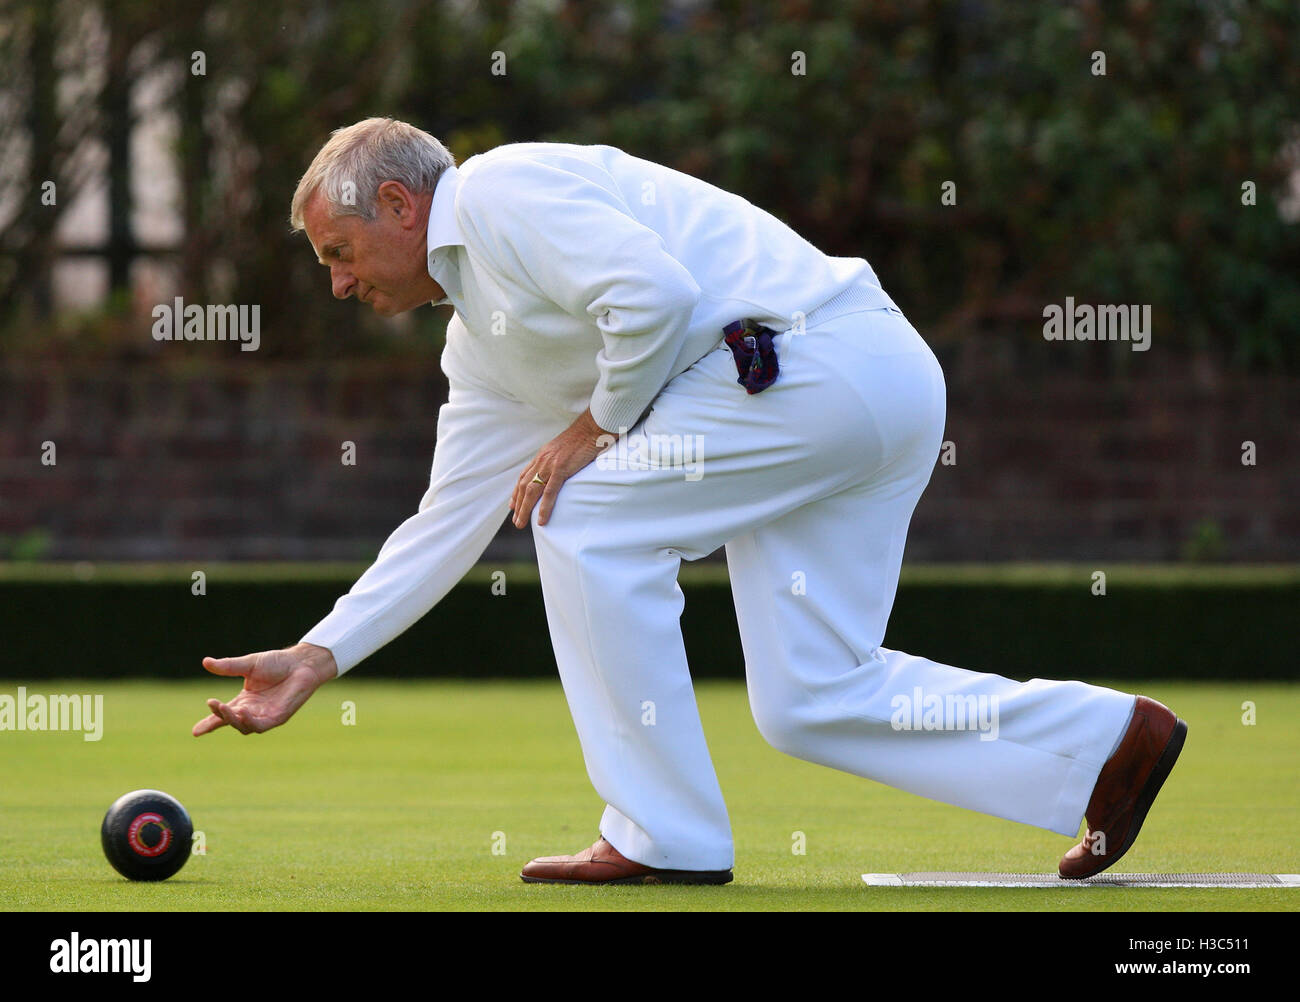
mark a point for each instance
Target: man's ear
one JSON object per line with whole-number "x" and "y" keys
{"x": 396, "y": 200}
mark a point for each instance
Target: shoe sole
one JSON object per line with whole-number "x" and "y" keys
{"x": 662, "y": 877}
{"x": 1163, "y": 767}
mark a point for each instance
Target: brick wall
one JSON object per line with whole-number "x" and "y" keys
{"x": 242, "y": 461}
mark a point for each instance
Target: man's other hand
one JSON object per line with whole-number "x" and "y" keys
{"x": 276, "y": 684}
{"x": 558, "y": 460}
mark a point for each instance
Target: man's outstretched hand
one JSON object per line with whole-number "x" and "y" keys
{"x": 276, "y": 684}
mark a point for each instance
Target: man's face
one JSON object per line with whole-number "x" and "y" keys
{"x": 383, "y": 262}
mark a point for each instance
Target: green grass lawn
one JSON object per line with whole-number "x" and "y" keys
{"x": 402, "y": 810}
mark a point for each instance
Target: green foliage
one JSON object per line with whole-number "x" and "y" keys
{"x": 30, "y": 547}
{"x": 1122, "y": 188}
{"x": 1115, "y": 188}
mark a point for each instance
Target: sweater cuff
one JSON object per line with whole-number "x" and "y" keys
{"x": 349, "y": 645}
{"x": 616, "y": 414}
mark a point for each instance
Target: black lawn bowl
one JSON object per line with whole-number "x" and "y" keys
{"x": 146, "y": 835}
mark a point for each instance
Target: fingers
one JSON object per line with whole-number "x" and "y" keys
{"x": 517, "y": 495}
{"x": 207, "y": 725}
{"x": 230, "y": 715}
{"x": 547, "y": 502}
{"x": 231, "y": 666}
{"x": 527, "y": 492}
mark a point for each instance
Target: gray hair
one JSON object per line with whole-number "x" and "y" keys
{"x": 357, "y": 159}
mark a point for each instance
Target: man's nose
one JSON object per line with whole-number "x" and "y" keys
{"x": 342, "y": 281}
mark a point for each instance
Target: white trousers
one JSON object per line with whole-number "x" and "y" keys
{"x": 810, "y": 485}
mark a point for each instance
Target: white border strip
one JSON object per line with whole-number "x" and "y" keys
{"x": 897, "y": 880}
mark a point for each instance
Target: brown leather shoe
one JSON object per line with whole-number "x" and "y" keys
{"x": 1126, "y": 788}
{"x": 603, "y": 864}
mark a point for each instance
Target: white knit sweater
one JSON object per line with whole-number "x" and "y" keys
{"x": 581, "y": 277}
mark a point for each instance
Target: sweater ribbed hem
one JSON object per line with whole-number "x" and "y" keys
{"x": 349, "y": 644}
{"x": 615, "y": 415}
{"x": 856, "y": 298}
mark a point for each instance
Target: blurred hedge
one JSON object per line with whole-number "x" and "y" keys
{"x": 1020, "y": 621}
